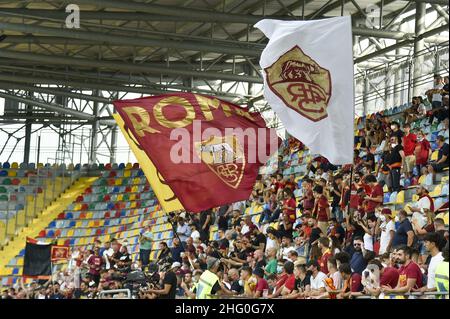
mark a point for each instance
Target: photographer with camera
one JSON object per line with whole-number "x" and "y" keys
{"x": 169, "y": 283}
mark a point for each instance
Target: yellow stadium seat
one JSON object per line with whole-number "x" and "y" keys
{"x": 129, "y": 166}
{"x": 118, "y": 182}
{"x": 79, "y": 223}
{"x": 132, "y": 196}
{"x": 12, "y": 173}
{"x": 15, "y": 165}
{"x": 436, "y": 191}
{"x": 126, "y": 173}
{"x": 434, "y": 156}
{"x": 385, "y": 188}
{"x": 89, "y": 215}
{"x": 120, "y": 197}
{"x": 70, "y": 233}
{"x": 40, "y": 165}
{"x": 444, "y": 216}
{"x": 421, "y": 179}
{"x": 445, "y": 179}
{"x": 400, "y": 197}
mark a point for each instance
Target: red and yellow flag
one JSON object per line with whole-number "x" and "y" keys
{"x": 197, "y": 151}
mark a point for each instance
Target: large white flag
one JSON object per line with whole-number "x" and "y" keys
{"x": 308, "y": 82}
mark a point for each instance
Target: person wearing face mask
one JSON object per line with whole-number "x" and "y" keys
{"x": 394, "y": 159}
{"x": 395, "y": 131}
{"x": 422, "y": 150}
{"x": 404, "y": 234}
{"x": 386, "y": 230}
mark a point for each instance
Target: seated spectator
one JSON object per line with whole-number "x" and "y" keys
{"x": 410, "y": 275}
{"x": 302, "y": 283}
{"x": 352, "y": 282}
{"x": 442, "y": 160}
{"x": 317, "y": 280}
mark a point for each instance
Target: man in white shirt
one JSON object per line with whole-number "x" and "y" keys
{"x": 107, "y": 254}
{"x": 317, "y": 279}
{"x": 431, "y": 242}
{"x": 195, "y": 234}
{"x": 436, "y": 92}
{"x": 387, "y": 227}
{"x": 424, "y": 204}
{"x": 183, "y": 229}
{"x": 286, "y": 247}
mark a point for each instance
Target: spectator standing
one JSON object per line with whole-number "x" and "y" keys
{"x": 431, "y": 242}
{"x": 321, "y": 209}
{"x": 374, "y": 198}
{"x": 145, "y": 246}
{"x": 404, "y": 234}
{"x": 409, "y": 142}
{"x": 357, "y": 262}
{"x": 386, "y": 229}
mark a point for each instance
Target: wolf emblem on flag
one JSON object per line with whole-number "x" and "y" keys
{"x": 301, "y": 83}
{"x": 224, "y": 156}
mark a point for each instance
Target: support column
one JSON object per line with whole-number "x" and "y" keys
{"x": 418, "y": 44}
{"x": 114, "y": 131}
{"x": 365, "y": 94}
{"x": 28, "y": 129}
{"x": 95, "y": 127}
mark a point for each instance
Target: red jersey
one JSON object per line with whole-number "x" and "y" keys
{"x": 409, "y": 143}
{"x": 412, "y": 270}
{"x": 323, "y": 260}
{"x": 291, "y": 203}
{"x": 320, "y": 209}
{"x": 377, "y": 191}
{"x": 422, "y": 150}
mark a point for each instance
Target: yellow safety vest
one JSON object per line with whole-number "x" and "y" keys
{"x": 205, "y": 284}
{"x": 441, "y": 277}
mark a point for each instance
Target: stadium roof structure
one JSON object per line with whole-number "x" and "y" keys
{"x": 56, "y": 75}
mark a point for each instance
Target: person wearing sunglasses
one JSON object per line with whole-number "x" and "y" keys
{"x": 357, "y": 262}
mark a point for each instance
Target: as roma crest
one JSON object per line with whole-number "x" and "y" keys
{"x": 301, "y": 83}
{"x": 224, "y": 156}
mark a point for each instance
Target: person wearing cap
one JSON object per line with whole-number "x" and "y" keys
{"x": 386, "y": 229}
{"x": 425, "y": 201}
{"x": 209, "y": 283}
{"x": 169, "y": 283}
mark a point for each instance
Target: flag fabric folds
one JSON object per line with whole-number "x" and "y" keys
{"x": 37, "y": 260}
{"x": 308, "y": 82}
{"x": 206, "y": 150}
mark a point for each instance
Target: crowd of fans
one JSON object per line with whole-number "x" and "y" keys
{"x": 325, "y": 236}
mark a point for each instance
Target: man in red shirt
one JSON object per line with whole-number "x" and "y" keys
{"x": 388, "y": 277}
{"x": 290, "y": 183}
{"x": 410, "y": 275}
{"x": 375, "y": 197}
{"x": 95, "y": 265}
{"x": 286, "y": 283}
{"x": 409, "y": 141}
{"x": 324, "y": 244}
{"x": 289, "y": 204}
{"x": 321, "y": 209}
{"x": 261, "y": 285}
{"x": 308, "y": 198}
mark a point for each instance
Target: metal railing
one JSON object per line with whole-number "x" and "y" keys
{"x": 43, "y": 186}
{"x": 115, "y": 292}
{"x": 412, "y": 295}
